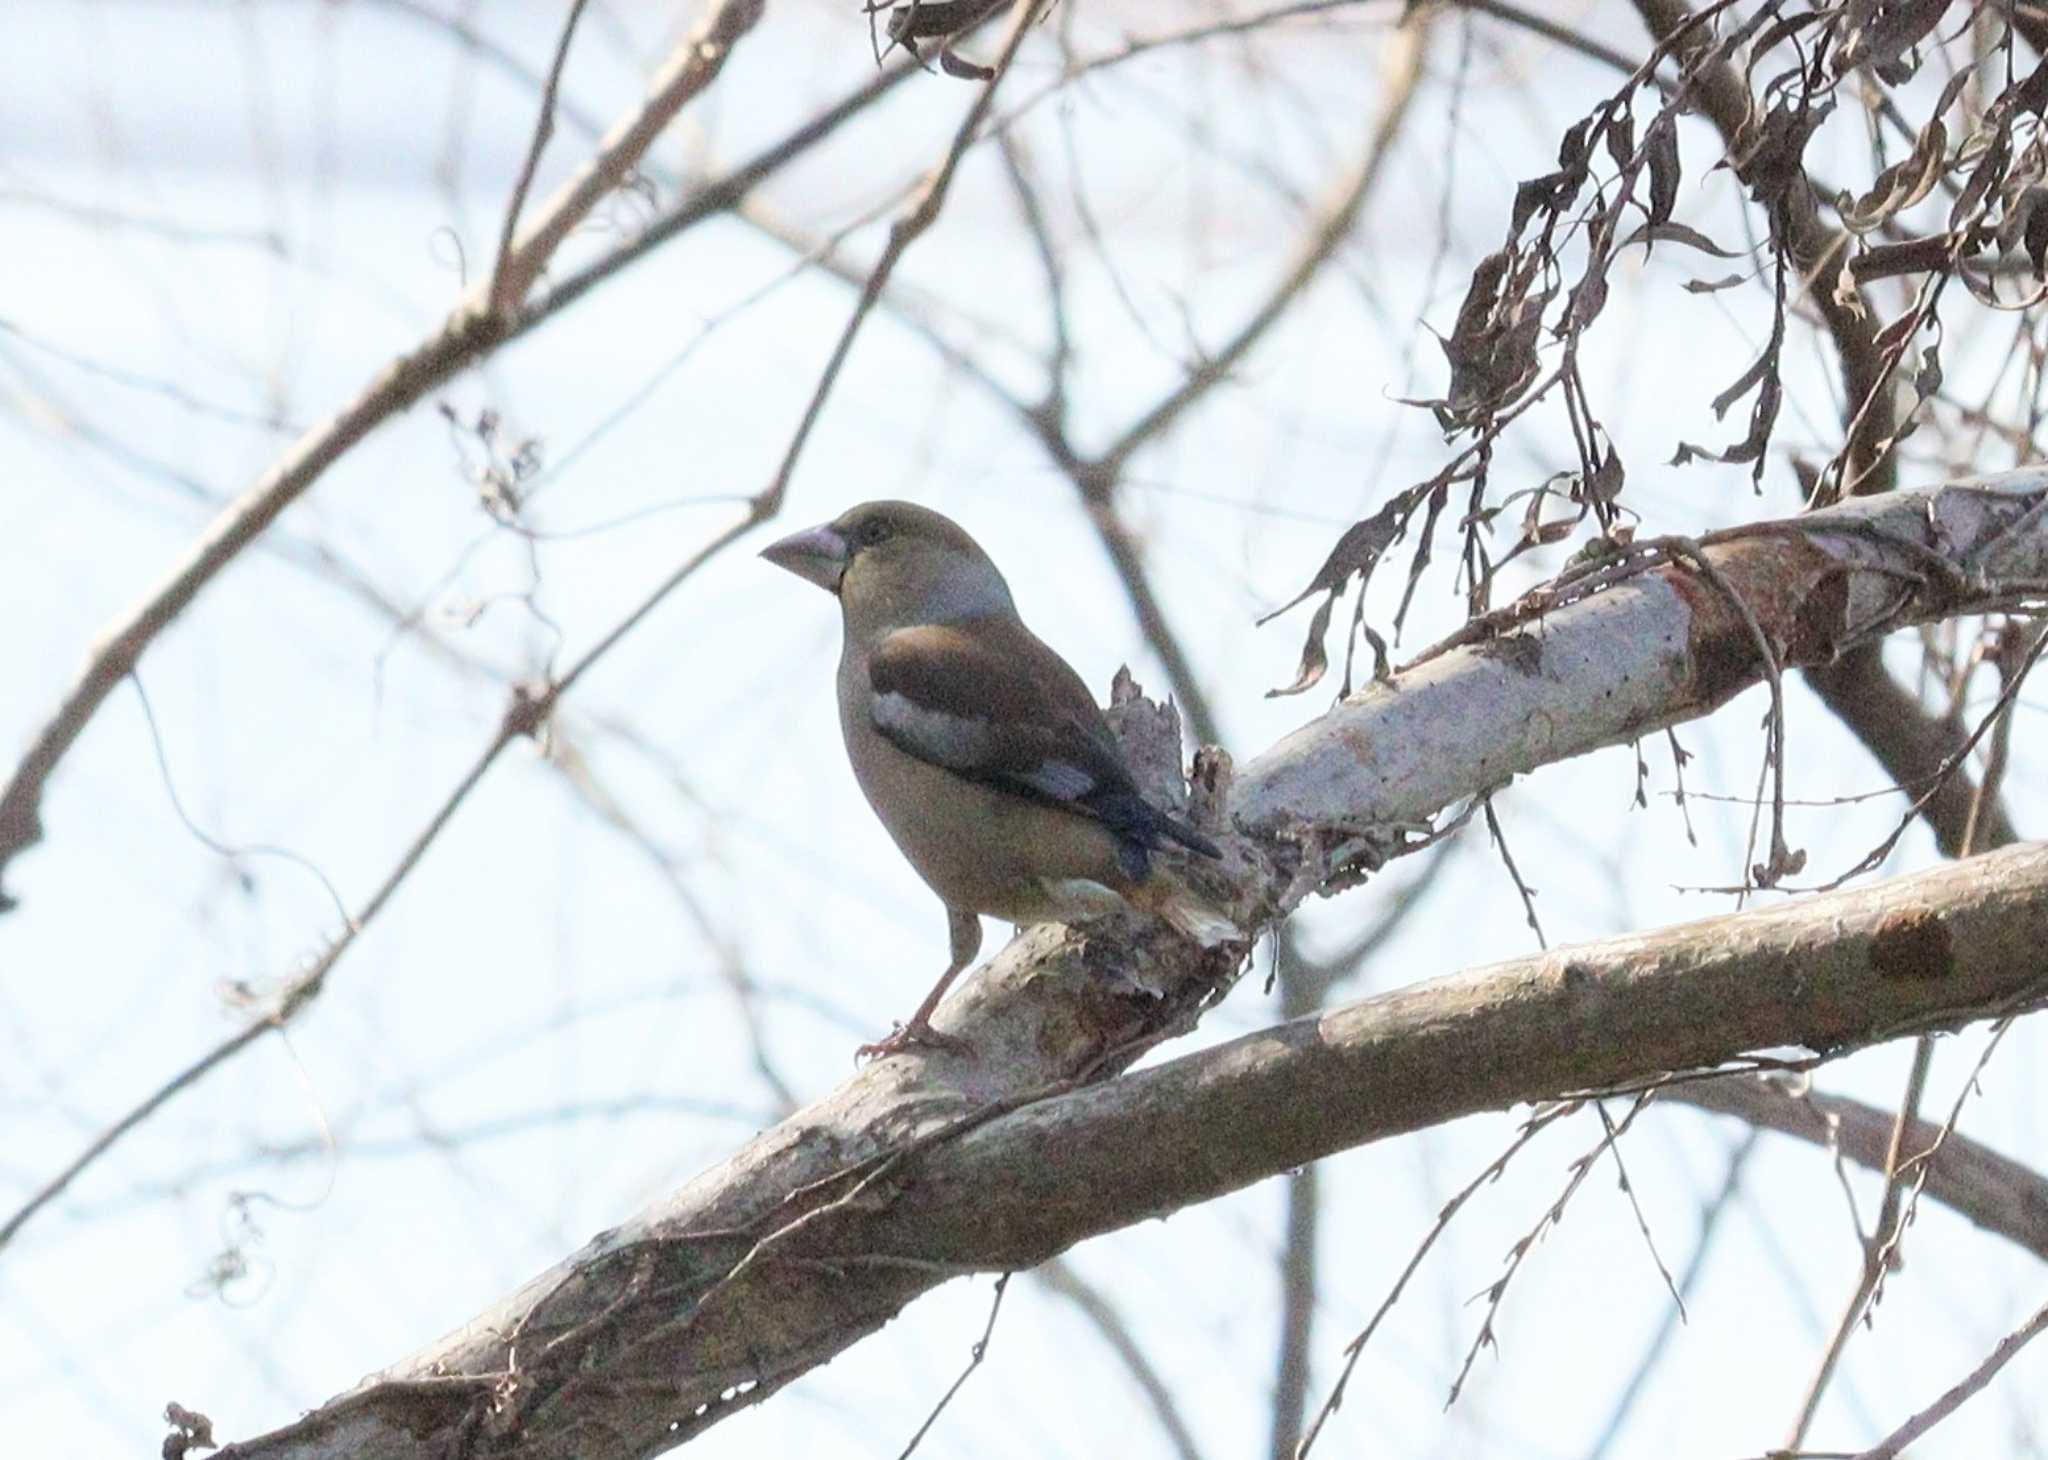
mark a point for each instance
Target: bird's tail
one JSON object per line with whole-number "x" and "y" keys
{"x": 1166, "y": 896}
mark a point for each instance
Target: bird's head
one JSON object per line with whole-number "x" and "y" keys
{"x": 893, "y": 564}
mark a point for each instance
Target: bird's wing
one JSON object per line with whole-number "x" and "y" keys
{"x": 987, "y": 700}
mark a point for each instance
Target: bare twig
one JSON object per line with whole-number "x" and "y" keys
{"x": 1895, "y": 1443}
{"x": 1531, "y": 1128}
{"x": 1917, "y": 749}
{"x": 1875, "y": 1244}
{"x": 1096, "y": 478}
{"x": 506, "y": 291}
{"x": 206, "y": 839}
{"x": 1653, "y": 1354}
{"x": 1635, "y": 1206}
{"x": 577, "y": 771}
{"x": 1496, "y": 1292}
{"x": 470, "y": 330}
{"x": 1304, "y": 985}
{"x": 905, "y": 230}
{"x": 1297, "y": 1312}
{"x": 525, "y": 715}
{"x": 974, "y": 1357}
{"x": 1507, "y": 858}
{"x": 1998, "y": 1194}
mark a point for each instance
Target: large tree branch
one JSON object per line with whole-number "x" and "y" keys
{"x": 1912, "y": 744}
{"x": 920, "y": 1167}
{"x": 1893, "y": 725}
{"x": 747, "y": 1278}
{"x": 1994, "y": 1192}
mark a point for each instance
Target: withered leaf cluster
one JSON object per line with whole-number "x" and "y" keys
{"x": 1950, "y": 97}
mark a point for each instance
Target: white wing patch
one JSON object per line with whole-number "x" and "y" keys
{"x": 1057, "y": 779}
{"x": 967, "y": 743}
{"x": 954, "y": 741}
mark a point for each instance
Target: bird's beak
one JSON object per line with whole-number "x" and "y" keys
{"x": 817, "y": 554}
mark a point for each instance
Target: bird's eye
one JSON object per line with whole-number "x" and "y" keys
{"x": 874, "y": 530}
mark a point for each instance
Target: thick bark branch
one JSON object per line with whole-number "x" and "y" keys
{"x": 1907, "y": 740}
{"x": 1995, "y": 1192}
{"x": 650, "y": 1334}
{"x": 920, "y": 1167}
{"x": 1536, "y": 684}
{"x": 1911, "y": 743}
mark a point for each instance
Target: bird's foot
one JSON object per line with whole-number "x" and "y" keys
{"x": 916, "y": 1034}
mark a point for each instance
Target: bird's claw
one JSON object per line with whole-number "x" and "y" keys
{"x": 914, "y": 1035}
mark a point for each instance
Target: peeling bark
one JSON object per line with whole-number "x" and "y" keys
{"x": 922, "y": 1167}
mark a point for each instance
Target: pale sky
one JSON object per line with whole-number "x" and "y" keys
{"x": 216, "y": 222}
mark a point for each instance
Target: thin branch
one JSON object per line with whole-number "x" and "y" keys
{"x": 974, "y": 1357}
{"x": 1528, "y": 1132}
{"x": 1507, "y": 858}
{"x": 905, "y": 230}
{"x": 1552, "y": 1217}
{"x": 1874, "y": 1244}
{"x": 295, "y": 995}
{"x": 234, "y": 854}
{"x": 525, "y": 715}
{"x": 1913, "y": 1429}
{"x": 1060, "y": 1276}
{"x": 470, "y": 331}
{"x": 506, "y": 290}
{"x": 1297, "y": 1312}
{"x": 1916, "y": 748}
{"x": 1096, "y": 478}
{"x": 1996, "y": 1193}
{"x": 1703, "y": 1246}
{"x": 1635, "y": 1206}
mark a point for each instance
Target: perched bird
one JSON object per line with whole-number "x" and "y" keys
{"x": 979, "y": 748}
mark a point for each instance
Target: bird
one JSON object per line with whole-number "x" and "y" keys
{"x": 978, "y": 747}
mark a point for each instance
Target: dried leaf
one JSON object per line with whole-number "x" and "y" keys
{"x": 1927, "y": 379}
{"x": 1713, "y": 286}
{"x": 929, "y": 19}
{"x": 1779, "y": 31}
{"x": 1678, "y": 233}
{"x": 1606, "y": 481}
{"x": 2034, "y": 231}
{"x": 1879, "y": 34}
{"x": 1987, "y": 174}
{"x": 1769, "y": 152}
{"x": 1587, "y": 300}
{"x": 1492, "y": 347}
{"x": 959, "y": 66}
{"x": 1661, "y": 149}
{"x": 1357, "y": 551}
{"x": 1315, "y": 656}
{"x": 2030, "y": 95}
{"x": 1533, "y": 529}
{"x": 1621, "y": 136}
{"x": 1744, "y": 383}
{"x": 1899, "y": 186}
{"x": 1763, "y": 378}
{"x": 1572, "y": 147}
{"x": 1894, "y": 334}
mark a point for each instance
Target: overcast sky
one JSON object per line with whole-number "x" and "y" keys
{"x": 217, "y": 222}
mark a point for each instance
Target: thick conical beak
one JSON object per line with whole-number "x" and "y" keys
{"x": 817, "y": 554}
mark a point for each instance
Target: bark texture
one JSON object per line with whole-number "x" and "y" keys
{"x": 922, "y": 1167}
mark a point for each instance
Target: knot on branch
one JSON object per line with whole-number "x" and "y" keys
{"x": 526, "y": 713}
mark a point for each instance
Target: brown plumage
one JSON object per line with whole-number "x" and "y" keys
{"x": 980, "y": 749}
